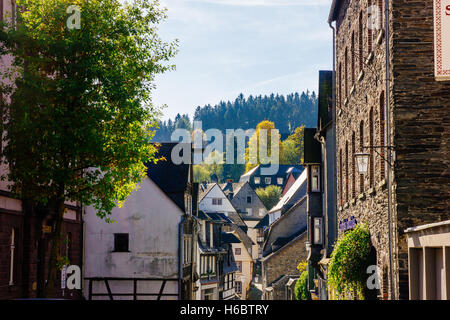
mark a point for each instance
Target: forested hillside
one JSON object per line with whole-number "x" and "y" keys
{"x": 287, "y": 112}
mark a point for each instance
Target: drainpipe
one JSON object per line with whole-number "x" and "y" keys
{"x": 335, "y": 136}
{"x": 387, "y": 143}
{"x": 180, "y": 255}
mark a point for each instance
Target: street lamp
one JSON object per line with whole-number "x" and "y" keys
{"x": 362, "y": 159}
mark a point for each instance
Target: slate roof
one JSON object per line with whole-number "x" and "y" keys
{"x": 282, "y": 242}
{"x": 264, "y": 222}
{"x": 172, "y": 179}
{"x": 234, "y": 187}
{"x": 204, "y": 189}
{"x": 228, "y": 237}
{"x": 296, "y": 187}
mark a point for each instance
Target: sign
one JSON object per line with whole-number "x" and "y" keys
{"x": 442, "y": 39}
{"x": 47, "y": 229}
{"x": 63, "y": 277}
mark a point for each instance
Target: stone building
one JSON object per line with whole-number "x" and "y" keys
{"x": 390, "y": 105}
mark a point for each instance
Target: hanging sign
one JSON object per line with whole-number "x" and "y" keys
{"x": 442, "y": 39}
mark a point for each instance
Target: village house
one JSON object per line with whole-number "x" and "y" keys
{"x": 285, "y": 244}
{"x": 319, "y": 160}
{"x": 213, "y": 201}
{"x": 392, "y": 105}
{"x": 256, "y": 179}
{"x": 148, "y": 253}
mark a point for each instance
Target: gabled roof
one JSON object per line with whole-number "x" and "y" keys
{"x": 204, "y": 190}
{"x": 172, "y": 179}
{"x": 291, "y": 192}
{"x": 285, "y": 242}
{"x": 234, "y": 187}
{"x": 283, "y": 171}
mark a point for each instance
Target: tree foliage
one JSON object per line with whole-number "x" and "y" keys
{"x": 78, "y": 117}
{"x": 269, "y": 195}
{"x": 301, "y": 287}
{"x": 286, "y": 112}
{"x": 349, "y": 261}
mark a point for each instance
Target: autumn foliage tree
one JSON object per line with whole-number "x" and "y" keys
{"x": 78, "y": 115}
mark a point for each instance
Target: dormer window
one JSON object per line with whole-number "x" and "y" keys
{"x": 280, "y": 181}
{"x": 268, "y": 180}
{"x": 257, "y": 180}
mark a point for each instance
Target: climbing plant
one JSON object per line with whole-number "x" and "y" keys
{"x": 349, "y": 261}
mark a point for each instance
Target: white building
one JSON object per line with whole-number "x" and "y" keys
{"x": 147, "y": 253}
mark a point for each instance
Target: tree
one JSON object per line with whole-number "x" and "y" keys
{"x": 79, "y": 117}
{"x": 293, "y": 147}
{"x": 269, "y": 195}
{"x": 301, "y": 287}
{"x": 254, "y": 159}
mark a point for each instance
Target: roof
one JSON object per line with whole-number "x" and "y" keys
{"x": 285, "y": 242}
{"x": 228, "y": 237}
{"x": 204, "y": 189}
{"x": 235, "y": 187}
{"x": 171, "y": 178}
{"x": 283, "y": 171}
{"x": 335, "y": 6}
{"x": 291, "y": 192}
{"x": 264, "y": 222}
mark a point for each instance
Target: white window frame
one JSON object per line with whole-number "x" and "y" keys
{"x": 268, "y": 179}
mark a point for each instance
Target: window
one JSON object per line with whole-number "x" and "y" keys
{"x": 257, "y": 180}
{"x": 346, "y": 73}
{"x": 361, "y": 49}
{"x": 238, "y": 287}
{"x": 249, "y": 211}
{"x": 237, "y": 251}
{"x": 317, "y": 230}
{"x": 187, "y": 249}
{"x": 280, "y": 181}
{"x": 340, "y": 85}
{"x": 268, "y": 180}
{"x": 239, "y": 265}
{"x": 346, "y": 171}
{"x": 369, "y": 28}
{"x": 353, "y": 165}
{"x": 12, "y": 259}
{"x": 69, "y": 246}
{"x": 361, "y": 144}
{"x": 353, "y": 57}
{"x": 217, "y": 201}
{"x": 382, "y": 143}
{"x": 188, "y": 204}
{"x": 315, "y": 176}
{"x": 371, "y": 169}
{"x": 261, "y": 212}
{"x": 208, "y": 294}
{"x": 249, "y": 199}
{"x": 121, "y": 241}
{"x": 340, "y": 177}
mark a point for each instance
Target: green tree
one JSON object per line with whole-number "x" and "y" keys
{"x": 269, "y": 195}
{"x": 301, "y": 287}
{"x": 79, "y": 116}
{"x": 293, "y": 146}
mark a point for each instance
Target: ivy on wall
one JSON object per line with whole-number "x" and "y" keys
{"x": 348, "y": 263}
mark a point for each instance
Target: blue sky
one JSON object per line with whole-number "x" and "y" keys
{"x": 249, "y": 46}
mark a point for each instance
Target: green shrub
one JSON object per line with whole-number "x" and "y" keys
{"x": 301, "y": 287}
{"x": 349, "y": 261}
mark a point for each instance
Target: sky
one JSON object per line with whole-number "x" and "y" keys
{"x": 228, "y": 47}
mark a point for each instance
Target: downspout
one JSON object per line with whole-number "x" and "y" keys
{"x": 387, "y": 143}
{"x": 180, "y": 255}
{"x": 335, "y": 137}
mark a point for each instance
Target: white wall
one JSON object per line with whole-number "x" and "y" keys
{"x": 207, "y": 206}
{"x": 152, "y": 221}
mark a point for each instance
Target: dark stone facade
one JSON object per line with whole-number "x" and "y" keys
{"x": 32, "y": 251}
{"x": 419, "y": 127}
